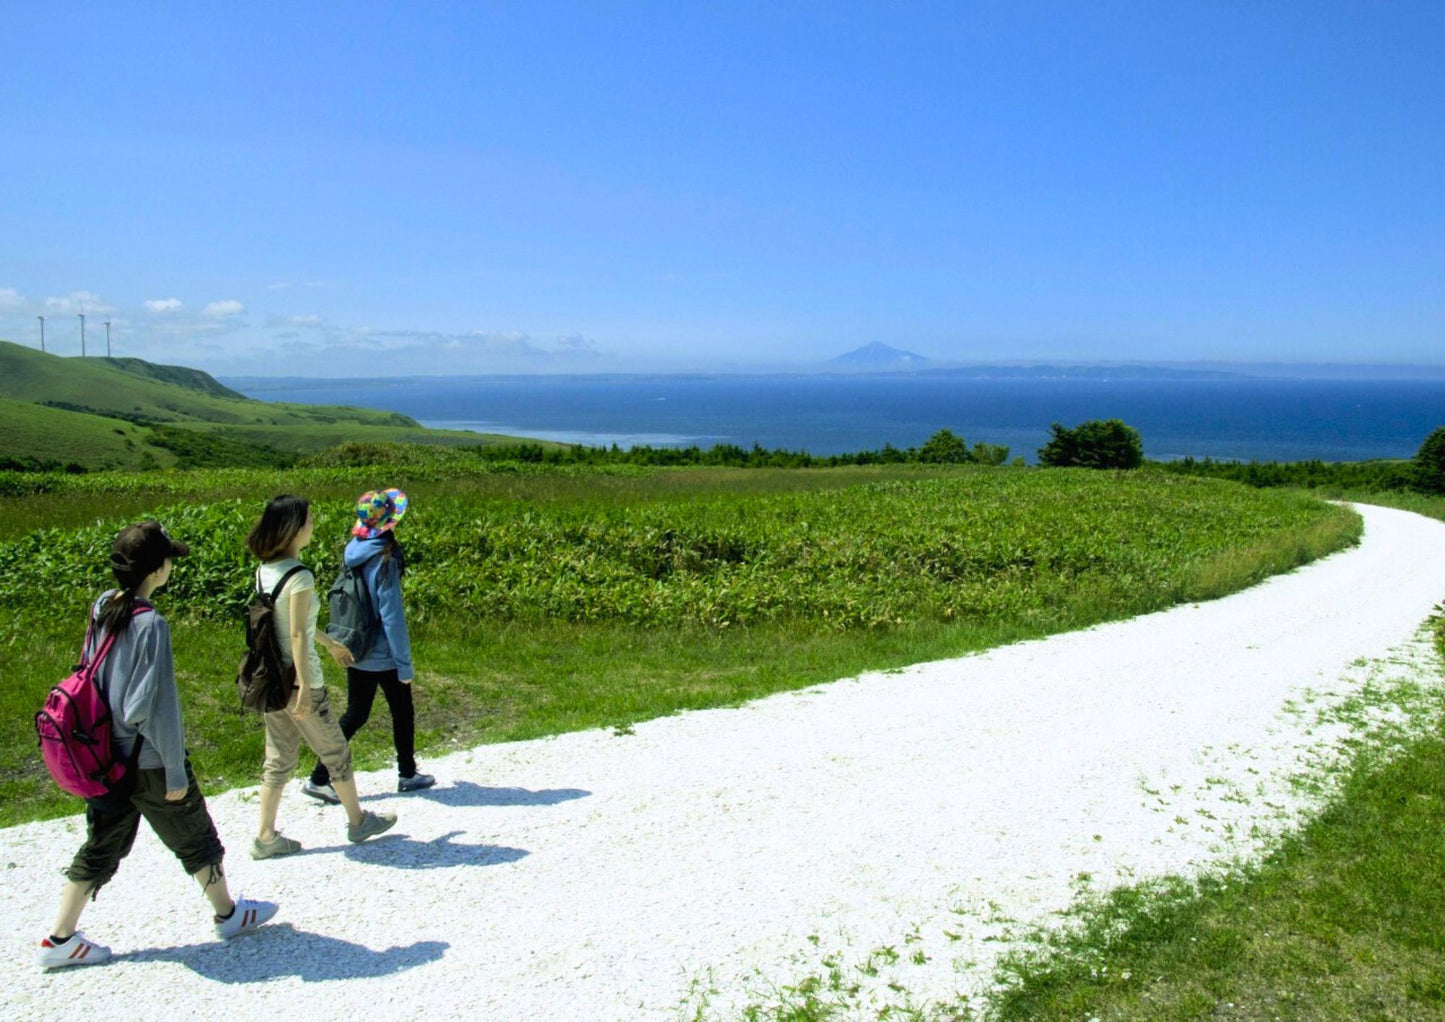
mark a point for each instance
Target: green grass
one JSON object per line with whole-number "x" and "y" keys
{"x": 539, "y": 668}
{"x": 92, "y": 412}
{"x": 76, "y": 438}
{"x": 118, "y": 387}
{"x": 1342, "y": 922}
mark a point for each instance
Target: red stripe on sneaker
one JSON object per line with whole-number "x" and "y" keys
{"x": 81, "y": 951}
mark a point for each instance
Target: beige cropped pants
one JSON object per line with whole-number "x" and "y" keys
{"x": 319, "y": 729}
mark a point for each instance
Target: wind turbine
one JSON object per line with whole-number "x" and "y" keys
{"x": 42, "y": 332}
{"x": 82, "y": 333}
{"x": 107, "y": 338}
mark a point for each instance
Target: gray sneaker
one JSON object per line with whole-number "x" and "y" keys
{"x": 279, "y": 844}
{"x": 416, "y": 782}
{"x": 371, "y": 825}
{"x": 321, "y": 792}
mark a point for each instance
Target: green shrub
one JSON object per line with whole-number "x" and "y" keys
{"x": 1106, "y": 443}
{"x": 944, "y": 447}
{"x": 1429, "y": 464}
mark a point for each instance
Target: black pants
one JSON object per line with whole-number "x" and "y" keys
{"x": 360, "y": 694}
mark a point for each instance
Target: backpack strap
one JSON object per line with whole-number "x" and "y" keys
{"x": 276, "y": 592}
{"x": 92, "y": 669}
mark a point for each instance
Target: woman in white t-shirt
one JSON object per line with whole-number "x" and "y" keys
{"x": 277, "y": 540}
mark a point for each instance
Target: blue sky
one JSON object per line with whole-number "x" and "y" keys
{"x": 366, "y": 189}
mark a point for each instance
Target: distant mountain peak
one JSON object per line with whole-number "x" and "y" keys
{"x": 879, "y": 355}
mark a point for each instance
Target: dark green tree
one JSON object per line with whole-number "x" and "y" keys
{"x": 1097, "y": 443}
{"x": 944, "y": 447}
{"x": 1429, "y": 464}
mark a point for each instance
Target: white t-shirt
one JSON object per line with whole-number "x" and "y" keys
{"x": 301, "y": 582}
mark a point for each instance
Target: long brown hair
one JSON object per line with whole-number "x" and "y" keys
{"x": 283, "y": 518}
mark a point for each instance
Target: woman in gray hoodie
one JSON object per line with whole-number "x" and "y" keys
{"x": 139, "y": 679}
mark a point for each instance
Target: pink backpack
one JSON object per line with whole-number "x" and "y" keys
{"x": 74, "y": 728}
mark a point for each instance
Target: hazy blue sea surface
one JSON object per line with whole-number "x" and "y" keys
{"x": 1237, "y": 418}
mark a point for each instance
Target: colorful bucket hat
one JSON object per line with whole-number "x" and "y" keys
{"x": 377, "y": 511}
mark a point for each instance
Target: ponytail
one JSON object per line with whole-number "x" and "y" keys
{"x": 115, "y": 612}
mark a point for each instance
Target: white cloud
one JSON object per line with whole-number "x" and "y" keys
{"x": 222, "y": 309}
{"x": 304, "y": 320}
{"x": 10, "y": 298}
{"x": 163, "y": 304}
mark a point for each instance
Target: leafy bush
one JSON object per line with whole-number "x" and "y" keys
{"x": 944, "y": 447}
{"x": 1106, "y": 443}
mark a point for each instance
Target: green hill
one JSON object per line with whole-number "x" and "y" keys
{"x": 184, "y": 376}
{"x": 101, "y": 413}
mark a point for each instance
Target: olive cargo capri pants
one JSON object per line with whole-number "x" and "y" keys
{"x": 112, "y": 821}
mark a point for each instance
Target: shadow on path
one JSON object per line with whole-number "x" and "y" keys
{"x": 469, "y": 793}
{"x": 401, "y": 852}
{"x": 274, "y": 952}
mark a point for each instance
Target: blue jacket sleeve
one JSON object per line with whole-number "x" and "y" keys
{"x": 386, "y": 591}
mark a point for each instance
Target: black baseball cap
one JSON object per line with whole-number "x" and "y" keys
{"x": 141, "y": 549}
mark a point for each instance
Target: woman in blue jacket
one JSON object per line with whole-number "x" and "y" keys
{"x": 387, "y": 665}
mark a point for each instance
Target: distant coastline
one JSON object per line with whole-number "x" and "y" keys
{"x": 1196, "y": 414}
{"x": 257, "y": 385}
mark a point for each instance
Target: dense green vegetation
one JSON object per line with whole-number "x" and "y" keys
{"x": 1422, "y": 474}
{"x": 1329, "y": 478}
{"x": 550, "y": 599}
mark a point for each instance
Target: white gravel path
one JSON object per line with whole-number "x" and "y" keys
{"x": 709, "y": 857}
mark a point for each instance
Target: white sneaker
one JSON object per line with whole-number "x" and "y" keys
{"x": 74, "y": 951}
{"x": 245, "y": 917}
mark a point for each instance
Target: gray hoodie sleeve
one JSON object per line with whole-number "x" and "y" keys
{"x": 152, "y": 705}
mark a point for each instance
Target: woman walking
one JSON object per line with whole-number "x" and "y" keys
{"x": 374, "y": 551}
{"x": 277, "y": 540}
{"x": 139, "y": 680}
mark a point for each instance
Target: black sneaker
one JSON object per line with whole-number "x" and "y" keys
{"x": 416, "y": 782}
{"x": 321, "y": 792}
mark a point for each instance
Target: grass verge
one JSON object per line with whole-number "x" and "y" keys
{"x": 1341, "y": 922}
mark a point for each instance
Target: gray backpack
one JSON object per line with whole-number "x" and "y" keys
{"x": 353, "y": 620}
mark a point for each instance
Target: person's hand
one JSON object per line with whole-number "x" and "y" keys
{"x": 300, "y": 705}
{"x": 176, "y": 794}
{"x": 342, "y": 655}
{"x": 404, "y": 681}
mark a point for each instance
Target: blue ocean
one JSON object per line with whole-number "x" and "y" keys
{"x": 1240, "y": 418}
